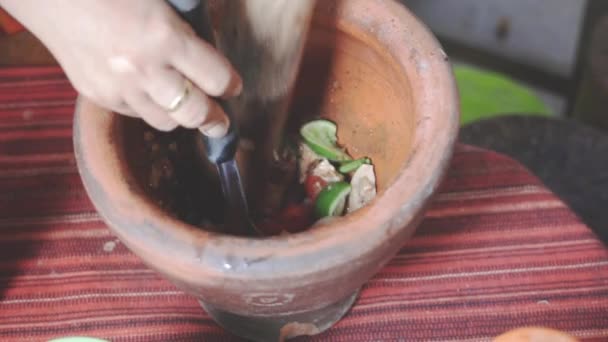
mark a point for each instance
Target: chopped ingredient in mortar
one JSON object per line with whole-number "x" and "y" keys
{"x": 334, "y": 183}
{"x": 327, "y": 181}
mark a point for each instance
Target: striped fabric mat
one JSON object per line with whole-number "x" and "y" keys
{"x": 496, "y": 251}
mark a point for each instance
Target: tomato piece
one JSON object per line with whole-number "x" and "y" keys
{"x": 270, "y": 226}
{"x": 294, "y": 218}
{"x": 314, "y": 185}
{"x": 298, "y": 217}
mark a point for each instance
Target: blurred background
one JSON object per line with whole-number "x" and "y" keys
{"x": 540, "y": 44}
{"x": 533, "y": 81}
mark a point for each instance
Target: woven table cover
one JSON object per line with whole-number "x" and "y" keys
{"x": 496, "y": 251}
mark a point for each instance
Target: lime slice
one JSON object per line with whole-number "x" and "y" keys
{"x": 353, "y": 165}
{"x": 332, "y": 199}
{"x": 320, "y": 136}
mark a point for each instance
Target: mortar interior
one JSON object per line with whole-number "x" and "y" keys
{"x": 346, "y": 76}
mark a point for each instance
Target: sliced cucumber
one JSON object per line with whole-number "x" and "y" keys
{"x": 321, "y": 136}
{"x": 353, "y": 165}
{"x": 331, "y": 201}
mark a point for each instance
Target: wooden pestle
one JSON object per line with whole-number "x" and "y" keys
{"x": 264, "y": 41}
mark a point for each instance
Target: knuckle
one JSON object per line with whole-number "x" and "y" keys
{"x": 189, "y": 123}
{"x": 163, "y": 34}
{"x": 161, "y": 124}
{"x": 155, "y": 125}
{"x": 108, "y": 99}
{"x": 166, "y": 126}
{"x": 171, "y": 126}
{"x": 194, "y": 115}
{"x": 89, "y": 93}
{"x": 197, "y": 121}
{"x": 126, "y": 65}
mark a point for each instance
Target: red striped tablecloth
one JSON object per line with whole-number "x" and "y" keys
{"x": 496, "y": 251}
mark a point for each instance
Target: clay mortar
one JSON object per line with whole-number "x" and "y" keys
{"x": 370, "y": 66}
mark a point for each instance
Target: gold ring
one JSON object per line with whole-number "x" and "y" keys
{"x": 177, "y": 102}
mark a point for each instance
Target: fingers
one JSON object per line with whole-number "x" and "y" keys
{"x": 171, "y": 87}
{"x": 150, "y": 112}
{"x": 192, "y": 108}
{"x": 207, "y": 68}
{"x": 119, "y": 108}
{"x": 122, "y": 108}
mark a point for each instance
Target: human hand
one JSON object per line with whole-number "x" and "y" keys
{"x": 135, "y": 58}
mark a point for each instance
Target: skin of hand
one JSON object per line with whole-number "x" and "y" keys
{"x": 134, "y": 57}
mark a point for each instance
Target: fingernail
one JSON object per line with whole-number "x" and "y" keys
{"x": 215, "y": 130}
{"x": 236, "y": 86}
{"x": 239, "y": 87}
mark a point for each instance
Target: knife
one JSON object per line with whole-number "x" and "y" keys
{"x": 221, "y": 151}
